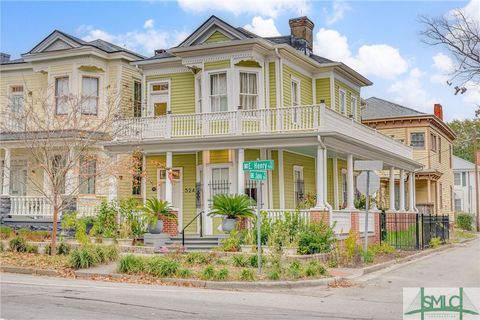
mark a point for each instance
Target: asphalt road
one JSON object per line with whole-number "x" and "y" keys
{"x": 374, "y": 296}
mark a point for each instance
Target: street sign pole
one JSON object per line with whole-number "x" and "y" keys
{"x": 259, "y": 224}
{"x": 367, "y": 204}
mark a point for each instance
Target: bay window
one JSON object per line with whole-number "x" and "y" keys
{"x": 248, "y": 90}
{"x": 16, "y": 98}
{"x": 61, "y": 95}
{"x": 88, "y": 168}
{"x": 89, "y": 95}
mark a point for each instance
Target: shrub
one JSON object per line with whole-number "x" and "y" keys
{"x": 63, "y": 248}
{"x": 274, "y": 275}
{"x": 131, "y": 264}
{"x": 31, "y": 248}
{"x": 23, "y": 232}
{"x": 435, "y": 242}
{"x": 465, "y": 221}
{"x": 5, "y": 232}
{"x": 319, "y": 237}
{"x": 18, "y": 244}
{"x": 333, "y": 263}
{"x": 208, "y": 273}
{"x": 240, "y": 260}
{"x": 196, "y": 257}
{"x": 247, "y": 274}
{"x": 368, "y": 256}
{"x": 184, "y": 273}
{"x": 253, "y": 260}
{"x": 295, "y": 269}
{"x": 222, "y": 274}
{"x": 83, "y": 257}
{"x": 314, "y": 268}
{"x": 162, "y": 267}
{"x": 382, "y": 248}
{"x": 232, "y": 243}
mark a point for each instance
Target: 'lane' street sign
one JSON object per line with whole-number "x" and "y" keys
{"x": 258, "y": 175}
{"x": 258, "y": 165}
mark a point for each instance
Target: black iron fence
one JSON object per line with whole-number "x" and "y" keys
{"x": 410, "y": 231}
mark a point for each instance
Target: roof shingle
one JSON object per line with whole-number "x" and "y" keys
{"x": 377, "y": 108}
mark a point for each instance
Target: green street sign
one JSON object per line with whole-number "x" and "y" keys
{"x": 258, "y": 165}
{"x": 258, "y": 175}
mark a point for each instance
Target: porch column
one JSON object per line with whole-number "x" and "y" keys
{"x": 168, "y": 181}
{"x": 402, "y": 191}
{"x": 335, "y": 184}
{"x": 144, "y": 179}
{"x": 350, "y": 191}
{"x": 70, "y": 179}
{"x": 6, "y": 172}
{"x": 208, "y": 222}
{"x": 391, "y": 190}
{"x": 411, "y": 191}
{"x": 265, "y": 184}
{"x": 320, "y": 178}
{"x": 281, "y": 179}
{"x": 240, "y": 175}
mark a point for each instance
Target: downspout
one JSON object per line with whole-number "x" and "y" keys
{"x": 329, "y": 207}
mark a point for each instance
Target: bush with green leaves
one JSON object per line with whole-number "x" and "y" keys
{"x": 222, "y": 274}
{"x": 197, "y": 258}
{"x": 315, "y": 268}
{"x": 319, "y": 237}
{"x": 240, "y": 260}
{"x": 162, "y": 267}
{"x": 253, "y": 260}
{"x": 18, "y": 244}
{"x": 5, "y": 232}
{"x": 106, "y": 223}
{"x": 31, "y": 248}
{"x": 274, "y": 275}
{"x": 184, "y": 273}
{"x": 131, "y": 213}
{"x": 63, "y": 248}
{"x": 295, "y": 269}
{"x": 208, "y": 273}
{"x": 90, "y": 255}
{"x": 131, "y": 264}
{"x": 247, "y": 275}
{"x": 435, "y": 242}
{"x": 382, "y": 248}
{"x": 465, "y": 221}
{"x": 232, "y": 243}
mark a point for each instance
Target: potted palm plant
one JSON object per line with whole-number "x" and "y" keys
{"x": 154, "y": 210}
{"x": 231, "y": 207}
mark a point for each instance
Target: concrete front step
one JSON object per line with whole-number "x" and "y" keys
{"x": 195, "y": 242}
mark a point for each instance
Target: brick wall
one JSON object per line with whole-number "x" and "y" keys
{"x": 170, "y": 225}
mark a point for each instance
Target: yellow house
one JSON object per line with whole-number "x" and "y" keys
{"x": 225, "y": 96}
{"x": 431, "y": 140}
{"x": 59, "y": 67}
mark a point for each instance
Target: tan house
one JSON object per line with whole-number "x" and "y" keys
{"x": 431, "y": 140}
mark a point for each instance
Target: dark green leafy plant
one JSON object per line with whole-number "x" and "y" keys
{"x": 319, "y": 237}
{"x": 106, "y": 223}
{"x": 63, "y": 248}
{"x": 208, "y": 273}
{"x": 274, "y": 275}
{"x": 18, "y": 244}
{"x": 155, "y": 209}
{"x": 295, "y": 269}
{"x": 465, "y": 221}
{"x": 184, "y": 273}
{"x": 247, "y": 275}
{"x": 222, "y": 274}
{"x": 232, "y": 206}
{"x": 232, "y": 243}
{"x": 162, "y": 267}
{"x": 131, "y": 264}
{"x": 240, "y": 260}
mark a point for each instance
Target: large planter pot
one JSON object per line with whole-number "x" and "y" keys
{"x": 289, "y": 251}
{"x": 108, "y": 241}
{"x": 124, "y": 242}
{"x": 157, "y": 229}
{"x": 246, "y": 249}
{"x": 228, "y": 224}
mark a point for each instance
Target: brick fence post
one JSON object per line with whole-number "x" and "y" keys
{"x": 377, "y": 231}
{"x": 170, "y": 225}
{"x": 242, "y": 223}
{"x": 355, "y": 224}
{"x": 317, "y": 216}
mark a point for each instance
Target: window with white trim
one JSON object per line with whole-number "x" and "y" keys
{"x": 343, "y": 101}
{"x": 248, "y": 90}
{"x": 295, "y": 92}
{"x": 16, "y": 98}
{"x": 89, "y": 95}
{"x": 458, "y": 205}
{"x": 464, "y": 179}
{"x": 457, "y": 178}
{"x": 159, "y": 98}
{"x": 61, "y": 95}
{"x": 218, "y": 92}
{"x": 18, "y": 178}
{"x": 417, "y": 140}
{"x": 220, "y": 183}
{"x": 198, "y": 82}
{"x": 298, "y": 186}
{"x": 353, "y": 106}
{"x": 88, "y": 169}
{"x": 137, "y": 99}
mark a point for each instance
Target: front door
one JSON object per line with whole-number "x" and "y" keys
{"x": 177, "y": 191}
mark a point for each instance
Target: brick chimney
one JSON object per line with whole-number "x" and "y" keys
{"x": 302, "y": 28}
{"x": 159, "y": 51}
{"x": 438, "y": 111}
{"x": 4, "y": 57}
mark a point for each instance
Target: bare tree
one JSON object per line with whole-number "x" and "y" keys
{"x": 458, "y": 33}
{"x": 63, "y": 136}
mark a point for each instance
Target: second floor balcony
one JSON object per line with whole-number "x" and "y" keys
{"x": 306, "y": 119}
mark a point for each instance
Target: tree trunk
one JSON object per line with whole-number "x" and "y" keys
{"x": 53, "y": 245}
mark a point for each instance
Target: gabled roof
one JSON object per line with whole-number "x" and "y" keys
{"x": 58, "y": 40}
{"x": 462, "y": 164}
{"x": 377, "y": 108}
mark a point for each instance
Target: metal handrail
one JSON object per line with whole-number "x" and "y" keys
{"x": 188, "y": 224}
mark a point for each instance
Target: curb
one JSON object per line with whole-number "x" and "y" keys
{"x": 238, "y": 285}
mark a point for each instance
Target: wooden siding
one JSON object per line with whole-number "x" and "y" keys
{"x": 219, "y": 156}
{"x": 322, "y": 87}
{"x": 272, "y": 84}
{"x": 222, "y": 64}
{"x": 349, "y": 92}
{"x": 293, "y": 159}
{"x": 128, "y": 76}
{"x": 217, "y": 36}
{"x": 306, "y": 95}
{"x": 182, "y": 91}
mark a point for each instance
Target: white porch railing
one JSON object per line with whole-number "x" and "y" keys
{"x": 275, "y": 214}
{"x": 30, "y": 206}
{"x": 361, "y": 222}
{"x": 342, "y": 220}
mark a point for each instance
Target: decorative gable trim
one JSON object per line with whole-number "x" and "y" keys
{"x": 209, "y": 27}
{"x": 55, "y": 41}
